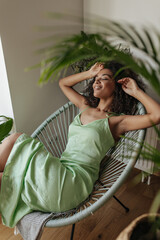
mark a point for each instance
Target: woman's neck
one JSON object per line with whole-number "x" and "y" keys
{"x": 104, "y": 105}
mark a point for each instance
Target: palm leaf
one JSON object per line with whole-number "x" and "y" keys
{"x": 148, "y": 152}
{"x": 70, "y": 51}
{"x": 155, "y": 55}
{"x": 83, "y": 46}
{"x": 155, "y": 204}
{"x": 122, "y": 33}
{"x": 5, "y": 127}
{"x": 141, "y": 40}
{"x": 157, "y": 131}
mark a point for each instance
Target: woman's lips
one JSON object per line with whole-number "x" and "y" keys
{"x": 97, "y": 88}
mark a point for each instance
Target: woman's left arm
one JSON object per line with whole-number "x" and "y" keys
{"x": 152, "y": 117}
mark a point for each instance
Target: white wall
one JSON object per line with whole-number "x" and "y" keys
{"x": 6, "y": 108}
{"x": 138, "y": 11}
{"x": 18, "y": 21}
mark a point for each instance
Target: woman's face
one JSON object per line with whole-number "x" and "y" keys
{"x": 104, "y": 84}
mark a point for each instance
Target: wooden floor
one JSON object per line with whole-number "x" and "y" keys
{"x": 108, "y": 221}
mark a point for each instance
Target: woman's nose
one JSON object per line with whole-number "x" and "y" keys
{"x": 97, "y": 80}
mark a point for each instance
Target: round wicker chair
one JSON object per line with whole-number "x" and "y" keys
{"x": 115, "y": 167}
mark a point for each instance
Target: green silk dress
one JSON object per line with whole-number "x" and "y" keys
{"x": 35, "y": 180}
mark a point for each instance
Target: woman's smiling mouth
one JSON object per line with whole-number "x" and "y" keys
{"x": 97, "y": 88}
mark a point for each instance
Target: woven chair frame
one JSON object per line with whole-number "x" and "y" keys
{"x": 115, "y": 166}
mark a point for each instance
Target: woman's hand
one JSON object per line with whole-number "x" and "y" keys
{"x": 94, "y": 70}
{"x": 129, "y": 86}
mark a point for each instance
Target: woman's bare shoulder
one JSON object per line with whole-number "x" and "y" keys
{"x": 134, "y": 122}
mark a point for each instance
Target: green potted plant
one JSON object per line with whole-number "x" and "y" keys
{"x": 6, "y": 124}
{"x": 143, "y": 227}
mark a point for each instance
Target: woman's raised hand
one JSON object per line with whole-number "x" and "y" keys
{"x": 94, "y": 70}
{"x": 129, "y": 85}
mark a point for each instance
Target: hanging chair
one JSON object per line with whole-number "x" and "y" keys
{"x": 115, "y": 166}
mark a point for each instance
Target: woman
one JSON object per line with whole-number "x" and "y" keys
{"x": 33, "y": 179}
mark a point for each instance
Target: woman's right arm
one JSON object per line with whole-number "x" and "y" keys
{"x": 67, "y": 83}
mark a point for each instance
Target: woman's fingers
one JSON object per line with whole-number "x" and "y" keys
{"x": 122, "y": 80}
{"x": 97, "y": 67}
{"x": 97, "y": 64}
{"x": 100, "y": 64}
{"x": 125, "y": 82}
{"x": 129, "y": 85}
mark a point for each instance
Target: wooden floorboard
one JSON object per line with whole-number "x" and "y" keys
{"x": 109, "y": 220}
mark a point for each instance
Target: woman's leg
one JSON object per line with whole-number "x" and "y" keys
{"x": 5, "y": 149}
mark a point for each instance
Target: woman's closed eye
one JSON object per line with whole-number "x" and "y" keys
{"x": 104, "y": 78}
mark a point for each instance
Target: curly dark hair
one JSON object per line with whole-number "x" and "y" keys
{"x": 122, "y": 102}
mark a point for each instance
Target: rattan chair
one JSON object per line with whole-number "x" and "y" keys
{"x": 115, "y": 167}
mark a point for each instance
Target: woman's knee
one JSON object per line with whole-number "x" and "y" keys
{"x": 10, "y": 140}
{"x": 6, "y": 147}
{"x": 14, "y": 136}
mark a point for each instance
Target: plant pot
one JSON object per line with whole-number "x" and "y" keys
{"x": 139, "y": 228}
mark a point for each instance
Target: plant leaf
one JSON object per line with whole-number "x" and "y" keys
{"x": 5, "y": 128}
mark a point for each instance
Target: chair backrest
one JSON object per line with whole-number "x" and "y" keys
{"x": 53, "y": 132}
{"x": 115, "y": 167}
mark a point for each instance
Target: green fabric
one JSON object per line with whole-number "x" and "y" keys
{"x": 33, "y": 179}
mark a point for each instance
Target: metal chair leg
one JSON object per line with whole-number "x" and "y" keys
{"x": 126, "y": 208}
{"x": 72, "y": 233}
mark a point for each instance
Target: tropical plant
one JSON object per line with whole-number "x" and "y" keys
{"x": 151, "y": 153}
{"x": 6, "y": 124}
{"x": 104, "y": 46}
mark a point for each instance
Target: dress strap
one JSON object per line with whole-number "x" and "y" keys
{"x": 114, "y": 114}
{"x": 84, "y": 109}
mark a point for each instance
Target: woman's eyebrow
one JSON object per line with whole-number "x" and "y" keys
{"x": 106, "y": 74}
